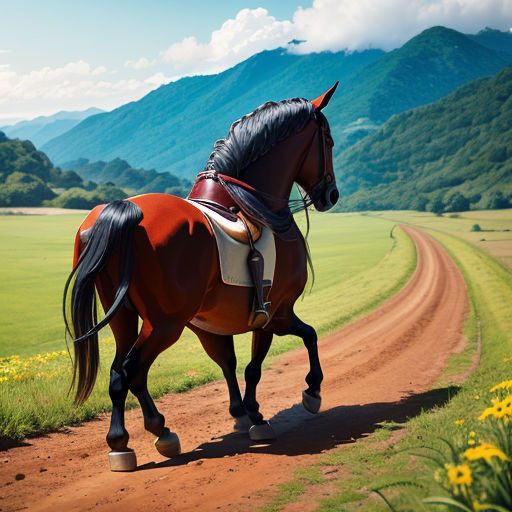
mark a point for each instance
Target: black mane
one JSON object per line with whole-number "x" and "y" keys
{"x": 256, "y": 133}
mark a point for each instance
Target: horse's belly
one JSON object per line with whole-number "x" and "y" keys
{"x": 225, "y": 310}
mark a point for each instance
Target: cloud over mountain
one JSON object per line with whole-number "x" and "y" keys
{"x": 251, "y": 31}
{"x": 326, "y": 25}
{"x": 361, "y": 24}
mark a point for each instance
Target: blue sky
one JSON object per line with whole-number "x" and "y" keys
{"x": 70, "y": 55}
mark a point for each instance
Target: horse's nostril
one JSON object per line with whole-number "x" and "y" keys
{"x": 334, "y": 196}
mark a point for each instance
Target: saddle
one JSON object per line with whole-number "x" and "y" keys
{"x": 208, "y": 192}
{"x": 229, "y": 222}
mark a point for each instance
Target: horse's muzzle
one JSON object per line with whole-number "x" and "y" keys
{"x": 328, "y": 198}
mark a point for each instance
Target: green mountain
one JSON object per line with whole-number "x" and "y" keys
{"x": 451, "y": 155}
{"x": 44, "y": 128}
{"x": 426, "y": 68}
{"x": 174, "y": 127}
{"x": 494, "y": 39}
{"x": 28, "y": 178}
{"x": 138, "y": 181}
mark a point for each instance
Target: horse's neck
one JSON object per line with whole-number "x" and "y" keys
{"x": 275, "y": 172}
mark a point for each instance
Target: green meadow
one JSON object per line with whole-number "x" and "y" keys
{"x": 393, "y": 460}
{"x": 359, "y": 262}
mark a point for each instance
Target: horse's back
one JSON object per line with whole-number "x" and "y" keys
{"x": 175, "y": 255}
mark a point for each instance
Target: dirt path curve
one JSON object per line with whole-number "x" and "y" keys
{"x": 376, "y": 369}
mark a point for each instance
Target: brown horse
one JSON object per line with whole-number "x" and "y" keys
{"x": 155, "y": 257}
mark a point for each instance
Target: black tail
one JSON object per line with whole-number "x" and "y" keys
{"x": 114, "y": 226}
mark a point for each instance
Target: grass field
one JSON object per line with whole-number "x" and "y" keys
{"x": 358, "y": 265}
{"x": 388, "y": 459}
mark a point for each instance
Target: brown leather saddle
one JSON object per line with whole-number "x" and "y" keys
{"x": 209, "y": 192}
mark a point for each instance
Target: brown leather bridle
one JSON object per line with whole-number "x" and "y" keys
{"x": 324, "y": 193}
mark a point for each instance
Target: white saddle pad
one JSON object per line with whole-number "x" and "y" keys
{"x": 233, "y": 254}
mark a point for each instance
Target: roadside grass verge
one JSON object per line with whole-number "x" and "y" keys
{"x": 357, "y": 263}
{"x": 391, "y": 458}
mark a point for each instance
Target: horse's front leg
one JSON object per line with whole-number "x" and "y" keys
{"x": 221, "y": 349}
{"x": 311, "y": 399}
{"x": 261, "y": 429}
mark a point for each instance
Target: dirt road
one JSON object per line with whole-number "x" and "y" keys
{"x": 376, "y": 369}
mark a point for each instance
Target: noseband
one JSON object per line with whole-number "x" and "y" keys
{"x": 324, "y": 190}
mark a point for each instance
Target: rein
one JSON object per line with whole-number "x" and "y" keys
{"x": 253, "y": 201}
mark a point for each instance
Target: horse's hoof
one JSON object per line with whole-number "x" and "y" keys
{"x": 122, "y": 461}
{"x": 168, "y": 444}
{"x": 311, "y": 403}
{"x": 242, "y": 424}
{"x": 263, "y": 432}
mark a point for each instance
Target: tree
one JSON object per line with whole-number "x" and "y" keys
{"x": 456, "y": 202}
{"x": 437, "y": 205}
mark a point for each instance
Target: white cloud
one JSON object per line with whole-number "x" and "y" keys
{"x": 73, "y": 86}
{"x": 142, "y": 63}
{"x": 251, "y": 31}
{"x": 360, "y": 24}
{"x": 158, "y": 79}
{"x": 326, "y": 25}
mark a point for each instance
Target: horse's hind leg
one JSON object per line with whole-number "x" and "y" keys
{"x": 151, "y": 342}
{"x": 124, "y": 327}
{"x": 221, "y": 349}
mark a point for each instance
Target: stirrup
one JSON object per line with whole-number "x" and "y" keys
{"x": 259, "y": 318}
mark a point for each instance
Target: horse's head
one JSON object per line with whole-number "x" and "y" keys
{"x": 316, "y": 175}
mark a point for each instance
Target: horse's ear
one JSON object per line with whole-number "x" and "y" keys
{"x": 322, "y": 101}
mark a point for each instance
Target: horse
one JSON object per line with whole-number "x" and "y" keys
{"x": 154, "y": 257}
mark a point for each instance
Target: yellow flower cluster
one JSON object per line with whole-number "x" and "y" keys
{"x": 478, "y": 476}
{"x": 459, "y": 475}
{"x": 15, "y": 368}
{"x": 484, "y": 451}
{"x": 506, "y": 384}
{"x": 499, "y": 409}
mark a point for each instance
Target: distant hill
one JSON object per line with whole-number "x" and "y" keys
{"x": 451, "y": 155}
{"x": 44, "y": 128}
{"x": 494, "y": 39}
{"x": 28, "y": 178}
{"x": 426, "y": 68}
{"x": 174, "y": 127}
{"x": 123, "y": 175}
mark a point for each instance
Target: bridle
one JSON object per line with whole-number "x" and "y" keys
{"x": 324, "y": 193}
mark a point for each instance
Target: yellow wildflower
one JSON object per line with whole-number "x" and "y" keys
{"x": 477, "y": 397}
{"x": 497, "y": 410}
{"x": 507, "y": 359}
{"x": 471, "y": 442}
{"x": 506, "y": 384}
{"x": 472, "y": 434}
{"x": 507, "y": 405}
{"x": 481, "y": 506}
{"x": 459, "y": 475}
{"x": 484, "y": 451}
{"x": 459, "y": 422}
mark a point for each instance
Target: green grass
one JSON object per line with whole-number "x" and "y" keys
{"x": 35, "y": 257}
{"x": 369, "y": 465}
{"x": 357, "y": 263}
